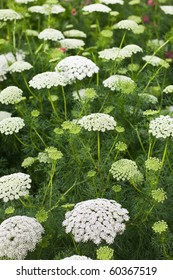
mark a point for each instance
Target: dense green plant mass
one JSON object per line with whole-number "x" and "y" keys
{"x": 86, "y": 129}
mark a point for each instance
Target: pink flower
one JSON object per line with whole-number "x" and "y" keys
{"x": 169, "y": 54}
{"x": 146, "y": 19}
{"x": 150, "y": 3}
{"x": 73, "y": 12}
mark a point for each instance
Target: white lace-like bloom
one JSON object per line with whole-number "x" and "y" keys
{"x": 14, "y": 186}
{"x": 96, "y": 220}
{"x": 111, "y": 54}
{"x": 24, "y": 1}
{"x": 47, "y": 80}
{"x": 126, "y": 24}
{"x": 47, "y": 9}
{"x": 111, "y": 2}
{"x": 97, "y": 122}
{"x": 20, "y": 66}
{"x": 168, "y": 10}
{"x": 96, "y": 8}
{"x": 18, "y": 236}
{"x": 7, "y": 59}
{"x": 129, "y": 50}
{"x": 4, "y": 115}
{"x": 9, "y": 14}
{"x": 71, "y": 44}
{"x": 161, "y": 127}
{"x": 51, "y": 34}
{"x": 155, "y": 61}
{"x": 76, "y": 68}
{"x": 11, "y": 95}
{"x": 74, "y": 33}
{"x": 120, "y": 83}
{"x": 77, "y": 257}
{"x": 11, "y": 125}
{"x": 168, "y": 89}
{"x": 149, "y": 98}
{"x": 124, "y": 169}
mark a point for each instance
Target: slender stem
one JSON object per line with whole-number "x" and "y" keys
{"x": 14, "y": 35}
{"x": 26, "y": 83}
{"x": 20, "y": 140}
{"x": 39, "y": 136}
{"x": 151, "y": 79}
{"x": 98, "y": 147}
{"x": 65, "y": 103}
{"x": 140, "y": 141}
{"x": 53, "y": 106}
{"x": 49, "y": 186}
{"x": 122, "y": 40}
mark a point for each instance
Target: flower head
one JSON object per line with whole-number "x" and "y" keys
{"x": 97, "y": 122}
{"x": 51, "y": 34}
{"x": 14, "y": 186}
{"x": 155, "y": 61}
{"x": 112, "y": 2}
{"x": 11, "y": 95}
{"x": 84, "y": 94}
{"x": 161, "y": 127}
{"x": 9, "y": 14}
{"x": 153, "y": 164}
{"x": 105, "y": 253}
{"x": 71, "y": 44}
{"x": 76, "y": 68}
{"x": 18, "y": 236}
{"x": 111, "y": 54}
{"x": 20, "y": 66}
{"x": 11, "y": 125}
{"x": 77, "y": 257}
{"x": 74, "y": 33}
{"x": 4, "y": 115}
{"x": 120, "y": 83}
{"x": 129, "y": 50}
{"x": 168, "y": 89}
{"x": 97, "y": 8}
{"x": 96, "y": 220}
{"x": 47, "y": 9}
{"x": 168, "y": 10}
{"x": 159, "y": 195}
{"x": 127, "y": 24}
{"x": 160, "y": 227}
{"x": 24, "y": 1}
{"x": 124, "y": 169}
{"x": 47, "y": 80}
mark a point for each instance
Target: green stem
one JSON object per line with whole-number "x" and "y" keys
{"x": 39, "y": 136}
{"x": 65, "y": 103}
{"x": 140, "y": 141}
{"x": 28, "y": 88}
{"x": 98, "y": 147}
{"x": 53, "y": 106}
{"x": 148, "y": 212}
{"x": 151, "y": 79}
{"x": 14, "y": 35}
{"x": 49, "y": 186}
{"x": 26, "y": 145}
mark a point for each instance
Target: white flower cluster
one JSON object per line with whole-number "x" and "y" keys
{"x": 77, "y": 257}
{"x": 155, "y": 43}
{"x": 127, "y": 24}
{"x": 117, "y": 53}
{"x": 18, "y": 235}
{"x": 148, "y": 98}
{"x": 97, "y": 122}
{"x": 19, "y": 66}
{"x": 161, "y": 127}
{"x": 168, "y": 89}
{"x": 11, "y": 95}
{"x": 4, "y": 115}
{"x": 120, "y": 83}
{"x": 51, "y": 34}
{"x": 111, "y": 2}
{"x": 47, "y": 80}
{"x": 74, "y": 33}
{"x": 96, "y": 220}
{"x": 96, "y": 8}
{"x": 124, "y": 169}
{"x": 6, "y": 60}
{"x": 24, "y": 1}
{"x": 76, "y": 68}
{"x": 14, "y": 186}
{"x": 155, "y": 61}
{"x": 71, "y": 44}
{"x": 168, "y": 10}
{"x": 47, "y": 9}
{"x": 9, "y": 14}
{"x": 11, "y": 125}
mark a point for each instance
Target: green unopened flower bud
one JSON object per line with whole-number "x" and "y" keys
{"x": 105, "y": 253}
{"x": 160, "y": 227}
